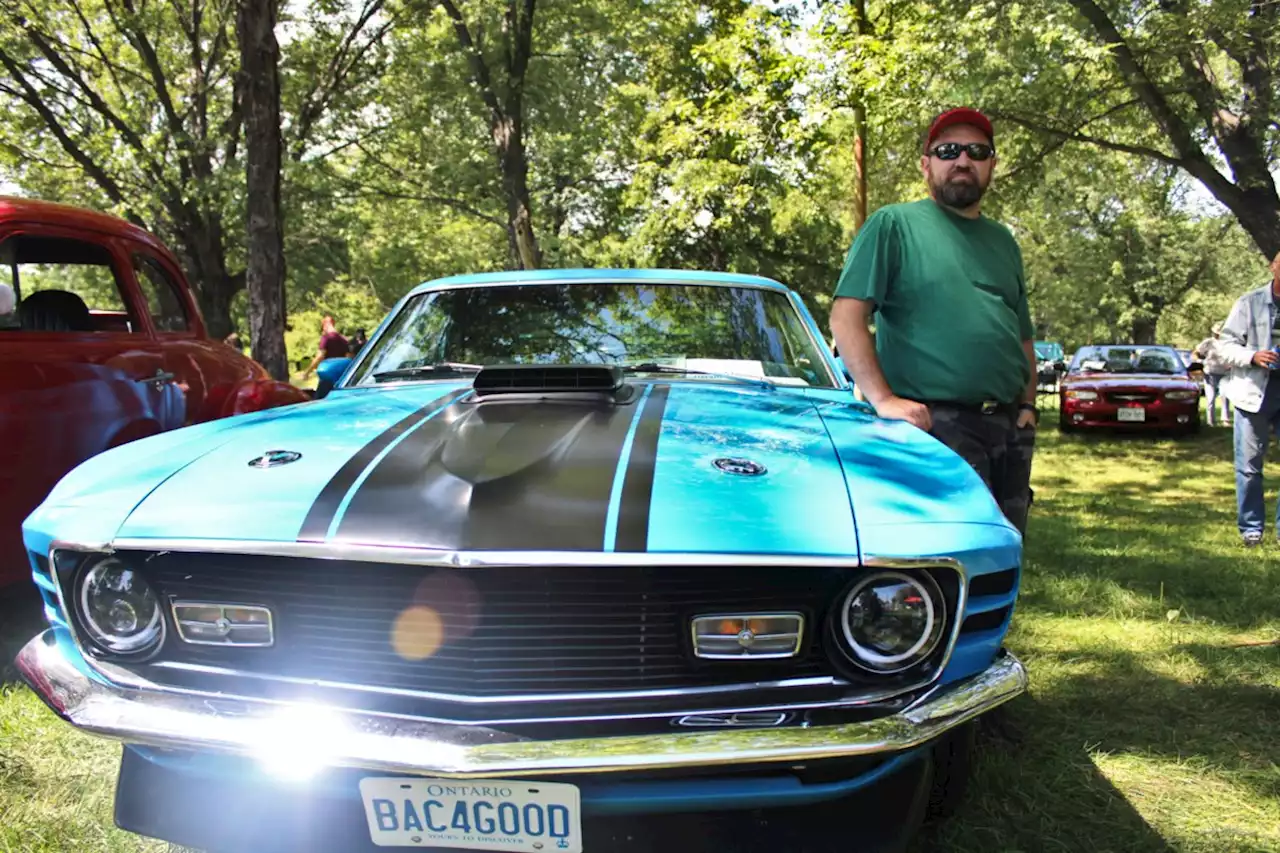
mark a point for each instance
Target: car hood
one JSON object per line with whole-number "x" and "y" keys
{"x": 1128, "y": 380}
{"x": 687, "y": 467}
{"x": 430, "y": 466}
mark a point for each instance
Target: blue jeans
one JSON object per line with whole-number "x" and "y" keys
{"x": 1214, "y": 401}
{"x": 1252, "y": 435}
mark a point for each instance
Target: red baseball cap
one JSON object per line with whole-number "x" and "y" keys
{"x": 960, "y": 115}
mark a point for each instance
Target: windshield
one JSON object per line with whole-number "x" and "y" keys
{"x": 1048, "y": 350}
{"x": 741, "y": 331}
{"x": 1128, "y": 359}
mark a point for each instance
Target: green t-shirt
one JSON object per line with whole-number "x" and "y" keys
{"x": 951, "y": 303}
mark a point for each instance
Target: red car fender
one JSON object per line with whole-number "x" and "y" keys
{"x": 254, "y": 395}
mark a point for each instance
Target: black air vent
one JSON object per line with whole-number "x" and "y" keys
{"x": 543, "y": 379}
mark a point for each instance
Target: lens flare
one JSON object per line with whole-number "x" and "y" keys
{"x": 418, "y": 633}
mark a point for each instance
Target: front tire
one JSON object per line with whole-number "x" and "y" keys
{"x": 952, "y": 769}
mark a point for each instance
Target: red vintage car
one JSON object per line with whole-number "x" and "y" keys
{"x": 101, "y": 343}
{"x": 1130, "y": 387}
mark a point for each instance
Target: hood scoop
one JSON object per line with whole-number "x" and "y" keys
{"x": 558, "y": 379}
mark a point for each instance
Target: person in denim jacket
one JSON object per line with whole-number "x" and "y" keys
{"x": 1215, "y": 369}
{"x": 1248, "y": 345}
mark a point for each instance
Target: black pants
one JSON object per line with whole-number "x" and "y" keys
{"x": 999, "y": 451}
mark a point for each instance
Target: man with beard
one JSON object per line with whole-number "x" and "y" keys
{"x": 953, "y": 351}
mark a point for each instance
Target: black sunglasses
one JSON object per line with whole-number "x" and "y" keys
{"x": 951, "y": 151}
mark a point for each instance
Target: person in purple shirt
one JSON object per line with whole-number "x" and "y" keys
{"x": 332, "y": 345}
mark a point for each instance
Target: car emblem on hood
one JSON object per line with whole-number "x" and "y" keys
{"x": 272, "y": 458}
{"x": 740, "y": 466}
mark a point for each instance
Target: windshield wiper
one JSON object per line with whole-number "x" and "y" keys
{"x": 442, "y": 367}
{"x": 650, "y": 367}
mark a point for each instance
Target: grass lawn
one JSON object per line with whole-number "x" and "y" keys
{"x": 1153, "y": 720}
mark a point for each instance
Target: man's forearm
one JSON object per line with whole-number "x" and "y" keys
{"x": 858, "y": 350}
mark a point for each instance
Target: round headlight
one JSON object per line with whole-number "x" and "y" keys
{"x": 119, "y": 609}
{"x": 892, "y": 621}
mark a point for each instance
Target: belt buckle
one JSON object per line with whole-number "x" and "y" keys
{"x": 990, "y": 407}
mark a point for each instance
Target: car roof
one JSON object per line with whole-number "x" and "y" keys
{"x": 16, "y": 209}
{"x": 588, "y": 276}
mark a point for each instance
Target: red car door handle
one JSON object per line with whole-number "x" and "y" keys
{"x": 159, "y": 378}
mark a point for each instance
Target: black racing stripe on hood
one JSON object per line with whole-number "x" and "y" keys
{"x": 316, "y": 525}
{"x": 496, "y": 475}
{"x": 637, "y": 488}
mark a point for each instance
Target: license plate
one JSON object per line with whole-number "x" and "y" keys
{"x": 1132, "y": 414}
{"x": 485, "y": 814}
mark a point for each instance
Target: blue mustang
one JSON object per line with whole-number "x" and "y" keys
{"x": 559, "y": 546}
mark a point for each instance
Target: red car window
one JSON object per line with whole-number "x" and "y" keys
{"x": 65, "y": 285}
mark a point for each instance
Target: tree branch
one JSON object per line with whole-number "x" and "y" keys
{"x": 96, "y": 102}
{"x": 369, "y": 191}
{"x": 1202, "y": 265}
{"x": 1073, "y": 136}
{"x": 344, "y": 60}
{"x": 102, "y": 53}
{"x": 141, "y": 43}
{"x": 520, "y": 14}
{"x": 32, "y": 98}
{"x": 1159, "y": 107}
{"x": 479, "y": 69}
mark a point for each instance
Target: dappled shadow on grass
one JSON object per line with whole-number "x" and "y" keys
{"x": 1047, "y": 792}
{"x": 1118, "y": 704}
{"x": 21, "y": 618}
{"x": 1043, "y": 793}
{"x": 1083, "y": 547}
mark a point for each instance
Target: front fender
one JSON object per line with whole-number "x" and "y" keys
{"x": 255, "y": 395}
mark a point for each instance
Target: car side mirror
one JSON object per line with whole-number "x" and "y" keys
{"x": 330, "y": 371}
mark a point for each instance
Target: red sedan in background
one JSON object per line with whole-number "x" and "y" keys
{"x": 101, "y": 343}
{"x": 1129, "y": 387}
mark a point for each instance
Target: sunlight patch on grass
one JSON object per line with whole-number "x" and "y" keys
{"x": 1197, "y": 806}
{"x": 56, "y": 784}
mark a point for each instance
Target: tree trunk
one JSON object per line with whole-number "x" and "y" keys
{"x": 259, "y": 65}
{"x": 215, "y": 304}
{"x": 860, "y": 134}
{"x": 509, "y": 139}
{"x": 1143, "y": 330}
{"x": 200, "y": 245}
{"x": 859, "y": 166}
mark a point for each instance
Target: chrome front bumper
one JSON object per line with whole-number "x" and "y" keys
{"x": 284, "y": 732}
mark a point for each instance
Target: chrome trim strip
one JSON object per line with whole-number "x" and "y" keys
{"x": 336, "y": 738}
{"x": 534, "y": 698}
{"x": 438, "y": 286}
{"x": 470, "y": 559}
{"x": 125, "y": 679}
{"x": 838, "y": 382}
{"x": 71, "y": 616}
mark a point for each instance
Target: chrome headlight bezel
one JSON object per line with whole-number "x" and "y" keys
{"x": 935, "y": 635}
{"x": 146, "y": 642}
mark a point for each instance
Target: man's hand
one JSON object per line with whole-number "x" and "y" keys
{"x": 901, "y": 409}
{"x": 1265, "y": 358}
{"x": 1026, "y": 419}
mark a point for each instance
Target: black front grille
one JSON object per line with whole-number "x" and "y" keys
{"x": 525, "y": 630}
{"x": 1123, "y": 397}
